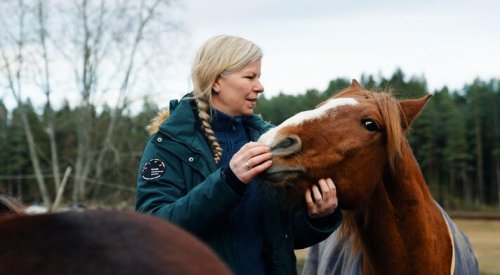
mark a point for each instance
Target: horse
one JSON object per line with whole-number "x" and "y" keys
{"x": 100, "y": 242}
{"x": 392, "y": 224}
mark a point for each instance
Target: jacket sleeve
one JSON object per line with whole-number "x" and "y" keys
{"x": 182, "y": 196}
{"x": 308, "y": 231}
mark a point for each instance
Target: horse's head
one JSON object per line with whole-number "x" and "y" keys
{"x": 352, "y": 138}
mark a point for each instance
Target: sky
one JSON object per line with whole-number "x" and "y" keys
{"x": 308, "y": 43}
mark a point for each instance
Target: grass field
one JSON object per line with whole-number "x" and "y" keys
{"x": 484, "y": 236}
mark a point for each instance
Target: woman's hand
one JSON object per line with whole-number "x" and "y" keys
{"x": 321, "y": 199}
{"x": 250, "y": 160}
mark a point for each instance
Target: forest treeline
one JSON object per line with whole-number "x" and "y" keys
{"x": 456, "y": 141}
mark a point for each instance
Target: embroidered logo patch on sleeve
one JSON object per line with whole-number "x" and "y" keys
{"x": 153, "y": 169}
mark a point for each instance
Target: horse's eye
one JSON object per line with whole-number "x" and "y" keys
{"x": 370, "y": 125}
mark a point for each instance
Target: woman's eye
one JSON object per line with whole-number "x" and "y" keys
{"x": 370, "y": 125}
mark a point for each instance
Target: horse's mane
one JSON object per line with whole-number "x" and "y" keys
{"x": 347, "y": 234}
{"x": 390, "y": 111}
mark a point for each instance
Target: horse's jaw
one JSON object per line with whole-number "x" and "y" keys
{"x": 277, "y": 176}
{"x": 290, "y": 184}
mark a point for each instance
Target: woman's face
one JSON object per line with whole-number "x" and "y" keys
{"x": 236, "y": 93}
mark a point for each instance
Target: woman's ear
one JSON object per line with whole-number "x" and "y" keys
{"x": 216, "y": 85}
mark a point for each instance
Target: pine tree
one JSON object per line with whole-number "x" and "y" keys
{"x": 3, "y": 145}
{"x": 455, "y": 152}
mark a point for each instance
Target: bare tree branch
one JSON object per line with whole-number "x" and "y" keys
{"x": 14, "y": 79}
{"x": 105, "y": 49}
{"x": 46, "y": 87}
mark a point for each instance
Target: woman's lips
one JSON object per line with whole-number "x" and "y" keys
{"x": 252, "y": 102}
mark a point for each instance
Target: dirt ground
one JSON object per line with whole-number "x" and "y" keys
{"x": 484, "y": 236}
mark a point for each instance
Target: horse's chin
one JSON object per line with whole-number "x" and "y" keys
{"x": 290, "y": 185}
{"x": 281, "y": 177}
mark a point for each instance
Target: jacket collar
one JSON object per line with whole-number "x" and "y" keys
{"x": 184, "y": 125}
{"x": 183, "y": 122}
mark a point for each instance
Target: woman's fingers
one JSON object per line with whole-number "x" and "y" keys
{"x": 318, "y": 198}
{"x": 257, "y": 160}
{"x": 332, "y": 191}
{"x": 252, "y": 159}
{"x": 321, "y": 198}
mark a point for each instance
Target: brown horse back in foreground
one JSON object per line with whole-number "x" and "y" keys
{"x": 101, "y": 242}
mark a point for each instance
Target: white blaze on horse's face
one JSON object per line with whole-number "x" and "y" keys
{"x": 269, "y": 137}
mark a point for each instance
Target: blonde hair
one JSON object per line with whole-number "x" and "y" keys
{"x": 217, "y": 56}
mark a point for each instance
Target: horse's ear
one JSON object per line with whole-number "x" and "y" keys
{"x": 410, "y": 109}
{"x": 355, "y": 84}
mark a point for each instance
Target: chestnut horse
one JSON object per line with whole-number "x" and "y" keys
{"x": 391, "y": 223}
{"x": 99, "y": 242}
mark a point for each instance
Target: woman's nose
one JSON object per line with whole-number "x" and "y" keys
{"x": 259, "y": 88}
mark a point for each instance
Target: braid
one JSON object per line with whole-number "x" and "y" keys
{"x": 203, "y": 110}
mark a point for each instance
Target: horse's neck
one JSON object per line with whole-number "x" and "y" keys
{"x": 402, "y": 225}
{"x": 405, "y": 191}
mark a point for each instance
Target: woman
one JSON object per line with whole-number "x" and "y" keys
{"x": 199, "y": 168}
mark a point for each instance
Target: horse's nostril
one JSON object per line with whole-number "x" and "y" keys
{"x": 285, "y": 143}
{"x": 287, "y": 146}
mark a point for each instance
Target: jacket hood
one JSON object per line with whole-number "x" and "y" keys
{"x": 156, "y": 121}
{"x": 183, "y": 121}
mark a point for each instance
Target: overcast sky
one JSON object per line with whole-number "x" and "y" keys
{"x": 308, "y": 43}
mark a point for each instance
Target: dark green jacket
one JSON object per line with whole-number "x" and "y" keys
{"x": 187, "y": 189}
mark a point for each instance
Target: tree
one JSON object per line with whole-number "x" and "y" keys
{"x": 4, "y": 145}
{"x": 336, "y": 86}
{"x": 19, "y": 166}
{"x": 111, "y": 47}
{"x": 118, "y": 35}
{"x": 41, "y": 15}
{"x": 496, "y": 136}
{"x": 14, "y": 57}
{"x": 476, "y": 95}
{"x": 455, "y": 149}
